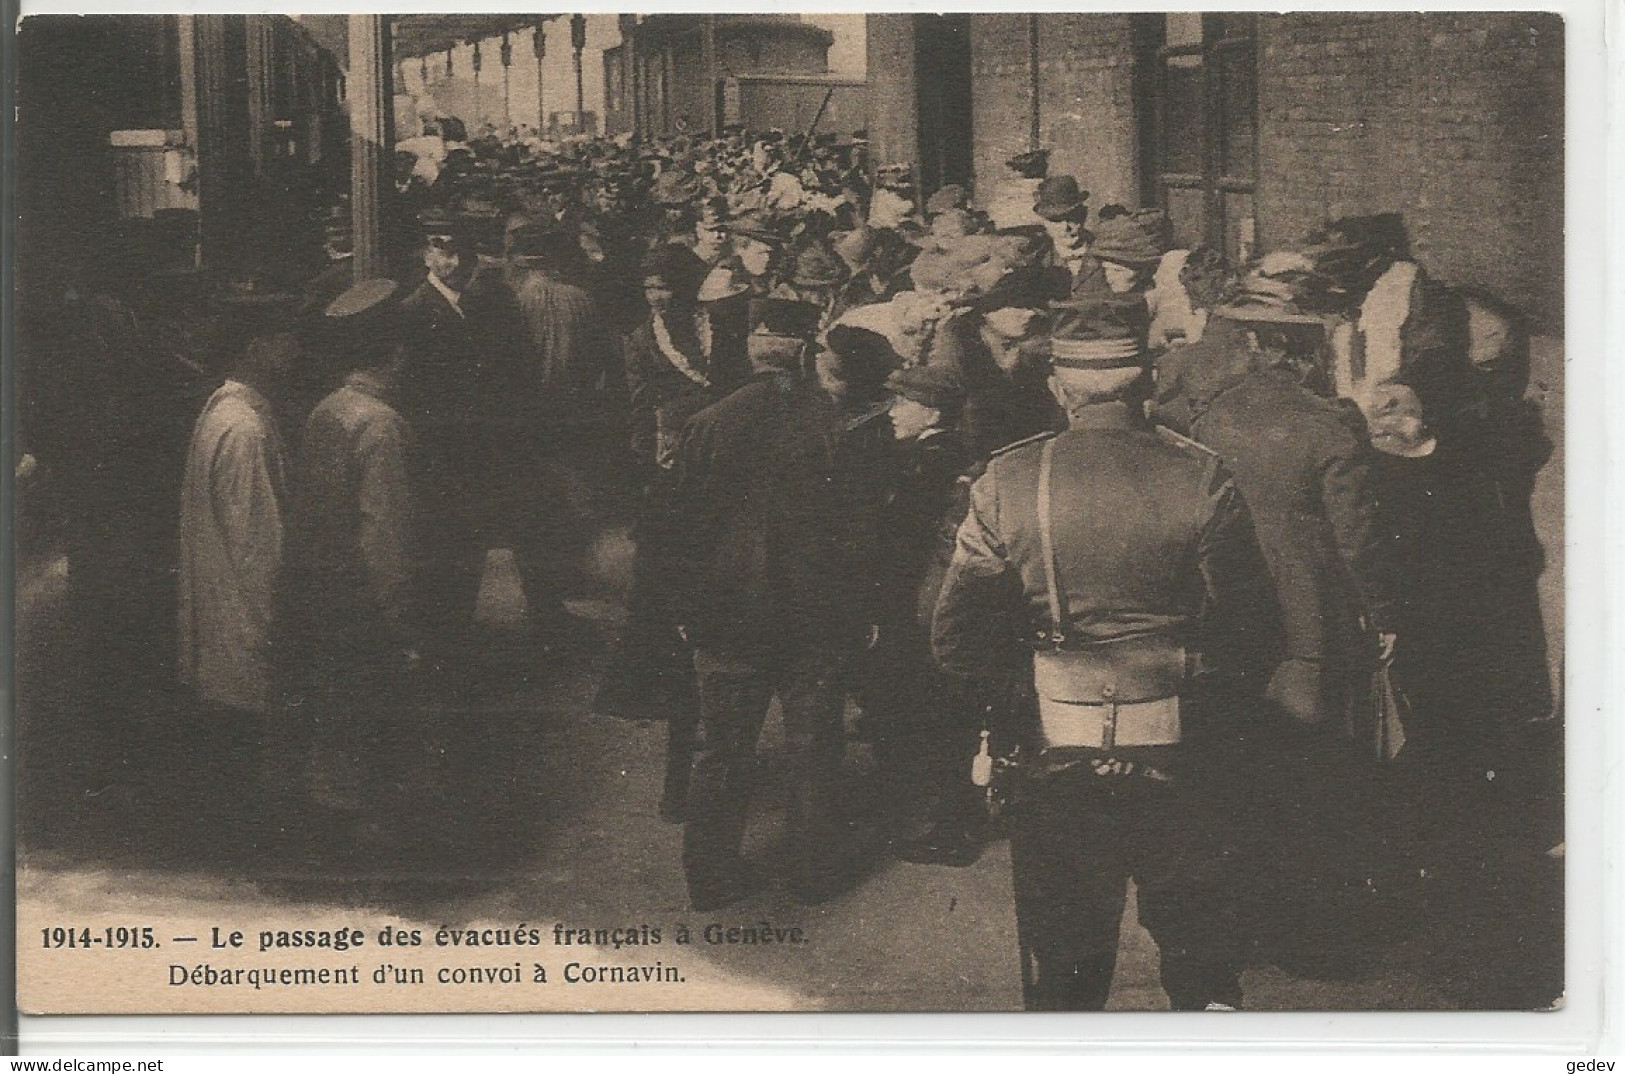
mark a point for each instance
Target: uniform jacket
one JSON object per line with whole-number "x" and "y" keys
{"x": 1151, "y": 538}
{"x": 465, "y": 384}
{"x": 232, "y": 514}
{"x": 779, "y": 497}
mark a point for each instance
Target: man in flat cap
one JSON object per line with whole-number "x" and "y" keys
{"x": 778, "y": 602}
{"x": 927, "y": 730}
{"x": 1105, "y": 565}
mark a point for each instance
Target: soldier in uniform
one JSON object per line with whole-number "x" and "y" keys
{"x": 462, "y": 389}
{"x": 1125, "y": 552}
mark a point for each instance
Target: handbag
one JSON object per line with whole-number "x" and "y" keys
{"x": 1121, "y": 692}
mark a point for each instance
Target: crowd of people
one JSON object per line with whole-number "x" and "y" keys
{"x": 1149, "y": 547}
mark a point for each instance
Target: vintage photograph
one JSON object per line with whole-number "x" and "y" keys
{"x": 826, "y": 512}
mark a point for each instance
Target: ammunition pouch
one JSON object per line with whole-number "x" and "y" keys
{"x": 1111, "y": 694}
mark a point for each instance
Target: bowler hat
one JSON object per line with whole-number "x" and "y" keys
{"x": 1060, "y": 198}
{"x": 442, "y": 229}
{"x": 547, "y": 246}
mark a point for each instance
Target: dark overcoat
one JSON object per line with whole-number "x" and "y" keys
{"x": 779, "y": 495}
{"x": 1306, "y": 475}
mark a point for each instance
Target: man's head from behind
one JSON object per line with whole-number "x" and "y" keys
{"x": 268, "y": 358}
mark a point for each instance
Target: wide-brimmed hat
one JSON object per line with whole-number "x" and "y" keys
{"x": 1136, "y": 239}
{"x": 1348, "y": 254}
{"x": 1060, "y": 198}
{"x": 727, "y": 279}
{"x": 363, "y": 320}
{"x": 866, "y": 357}
{"x": 1359, "y": 237}
{"x": 817, "y": 265}
{"x": 1095, "y": 334}
{"x": 363, "y": 302}
{"x": 753, "y": 224}
{"x": 935, "y": 384}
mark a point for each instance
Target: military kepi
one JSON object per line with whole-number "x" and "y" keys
{"x": 1095, "y": 335}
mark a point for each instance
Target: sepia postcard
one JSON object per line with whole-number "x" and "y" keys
{"x": 769, "y": 512}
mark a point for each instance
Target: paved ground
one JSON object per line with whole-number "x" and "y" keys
{"x": 556, "y": 823}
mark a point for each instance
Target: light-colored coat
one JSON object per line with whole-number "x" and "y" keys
{"x": 232, "y": 502}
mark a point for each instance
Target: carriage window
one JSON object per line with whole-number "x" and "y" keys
{"x": 1201, "y": 125}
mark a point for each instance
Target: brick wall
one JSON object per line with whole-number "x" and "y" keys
{"x": 1454, "y": 119}
{"x": 1085, "y": 99}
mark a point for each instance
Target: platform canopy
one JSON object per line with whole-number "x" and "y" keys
{"x": 422, "y": 35}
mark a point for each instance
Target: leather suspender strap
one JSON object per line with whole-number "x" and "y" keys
{"x": 1046, "y": 538}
